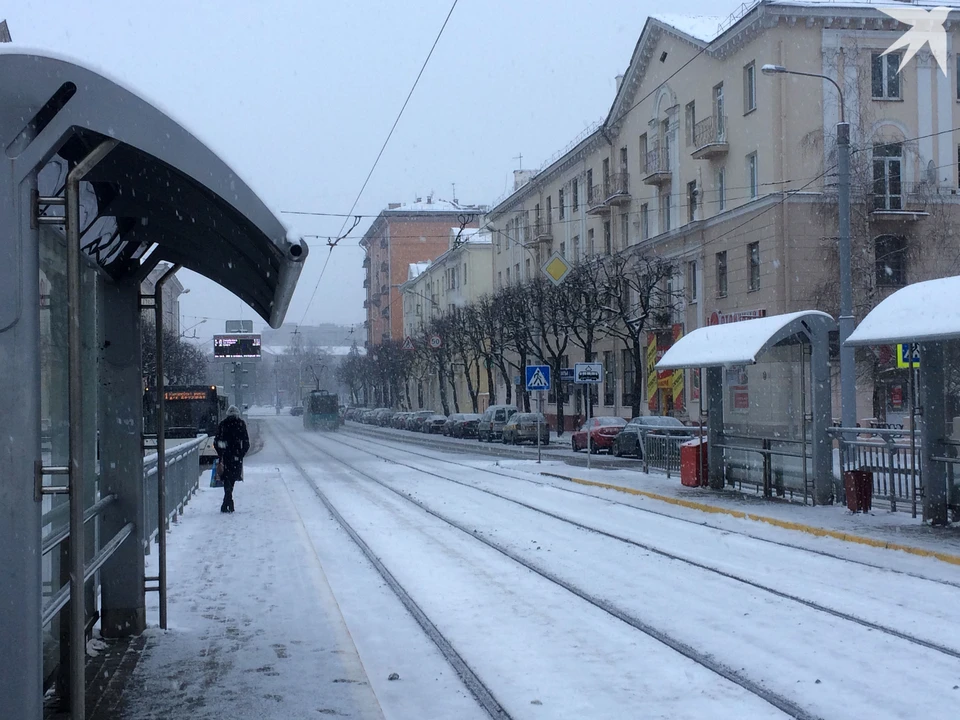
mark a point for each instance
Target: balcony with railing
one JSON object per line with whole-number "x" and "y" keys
{"x": 366, "y": 261}
{"x": 617, "y": 189}
{"x": 657, "y": 168}
{"x": 710, "y": 138}
{"x": 366, "y": 282}
{"x": 596, "y": 200}
{"x": 543, "y": 229}
{"x": 892, "y": 200}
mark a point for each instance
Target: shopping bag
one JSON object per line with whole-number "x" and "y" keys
{"x": 216, "y": 474}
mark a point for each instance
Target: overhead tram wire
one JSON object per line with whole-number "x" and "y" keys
{"x": 334, "y": 243}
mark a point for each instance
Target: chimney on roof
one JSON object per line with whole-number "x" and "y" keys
{"x": 5, "y": 32}
{"x": 393, "y": 206}
{"x": 430, "y": 199}
{"x": 521, "y": 178}
{"x": 619, "y": 82}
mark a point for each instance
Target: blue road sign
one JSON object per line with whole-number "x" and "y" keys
{"x": 538, "y": 377}
{"x": 566, "y": 374}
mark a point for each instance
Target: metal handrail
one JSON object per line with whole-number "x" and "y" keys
{"x": 59, "y": 601}
{"x": 51, "y": 541}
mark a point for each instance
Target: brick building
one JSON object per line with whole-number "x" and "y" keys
{"x": 401, "y": 235}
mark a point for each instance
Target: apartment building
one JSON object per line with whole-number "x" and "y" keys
{"x": 729, "y": 173}
{"x": 455, "y": 279}
{"x": 404, "y": 234}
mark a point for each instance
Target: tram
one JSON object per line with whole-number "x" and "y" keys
{"x": 321, "y": 411}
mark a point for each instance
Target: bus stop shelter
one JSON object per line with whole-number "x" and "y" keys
{"x": 926, "y": 315}
{"x": 800, "y": 342}
{"x": 97, "y": 187}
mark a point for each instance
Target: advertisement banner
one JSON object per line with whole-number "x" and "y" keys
{"x": 651, "y": 371}
{"x": 676, "y": 385}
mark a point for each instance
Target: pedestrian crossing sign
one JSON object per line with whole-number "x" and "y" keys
{"x": 538, "y": 377}
{"x": 906, "y": 352}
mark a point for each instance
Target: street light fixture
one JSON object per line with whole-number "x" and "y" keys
{"x": 848, "y": 376}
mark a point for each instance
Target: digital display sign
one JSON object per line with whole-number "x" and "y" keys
{"x": 186, "y": 394}
{"x": 236, "y": 346}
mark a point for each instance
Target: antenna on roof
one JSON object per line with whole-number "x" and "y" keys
{"x": 4, "y": 32}
{"x": 519, "y": 159}
{"x": 454, "y": 186}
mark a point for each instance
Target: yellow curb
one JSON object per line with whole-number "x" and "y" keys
{"x": 799, "y": 527}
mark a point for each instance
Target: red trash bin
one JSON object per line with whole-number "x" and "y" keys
{"x": 858, "y": 485}
{"x": 693, "y": 463}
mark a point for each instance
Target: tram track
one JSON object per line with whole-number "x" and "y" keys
{"x": 893, "y": 632}
{"x": 705, "y": 660}
{"x": 483, "y": 695}
{"x": 391, "y": 444}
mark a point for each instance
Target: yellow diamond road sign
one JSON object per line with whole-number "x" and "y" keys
{"x": 556, "y": 268}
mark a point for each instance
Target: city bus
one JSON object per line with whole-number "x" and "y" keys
{"x": 190, "y": 411}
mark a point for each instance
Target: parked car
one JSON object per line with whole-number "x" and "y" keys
{"x": 522, "y": 427}
{"x": 630, "y": 440}
{"x": 433, "y": 424}
{"x": 602, "y": 432}
{"x": 466, "y": 426}
{"x": 296, "y": 410}
{"x": 490, "y": 426}
{"x": 415, "y": 421}
{"x": 385, "y": 418}
{"x": 399, "y": 420}
{"x": 451, "y": 421}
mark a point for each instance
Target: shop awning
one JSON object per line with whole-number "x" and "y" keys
{"x": 160, "y": 193}
{"x": 923, "y": 312}
{"x": 741, "y": 343}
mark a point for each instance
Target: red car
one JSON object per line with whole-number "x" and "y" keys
{"x": 602, "y": 432}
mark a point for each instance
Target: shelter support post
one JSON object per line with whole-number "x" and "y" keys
{"x": 715, "y": 426}
{"x": 121, "y": 422}
{"x": 161, "y": 445}
{"x": 21, "y": 661}
{"x": 933, "y": 432}
{"x": 821, "y": 418}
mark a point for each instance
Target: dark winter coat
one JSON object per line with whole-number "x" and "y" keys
{"x": 232, "y": 443}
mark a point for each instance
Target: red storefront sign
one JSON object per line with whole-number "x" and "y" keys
{"x": 719, "y": 318}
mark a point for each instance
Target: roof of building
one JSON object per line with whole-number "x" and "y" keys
{"x": 416, "y": 269}
{"x": 430, "y": 204}
{"x": 166, "y": 195}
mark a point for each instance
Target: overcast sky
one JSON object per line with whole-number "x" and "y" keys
{"x": 298, "y": 96}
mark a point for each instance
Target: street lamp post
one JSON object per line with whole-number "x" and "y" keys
{"x": 848, "y": 375}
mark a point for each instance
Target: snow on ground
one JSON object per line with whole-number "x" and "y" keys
{"x": 275, "y": 613}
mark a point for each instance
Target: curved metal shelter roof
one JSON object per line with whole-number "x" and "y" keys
{"x": 160, "y": 193}
{"x": 741, "y": 343}
{"x": 922, "y": 312}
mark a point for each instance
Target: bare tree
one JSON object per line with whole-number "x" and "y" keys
{"x": 637, "y": 299}
{"x": 460, "y": 340}
{"x": 583, "y": 309}
{"x": 517, "y": 329}
{"x": 546, "y": 302}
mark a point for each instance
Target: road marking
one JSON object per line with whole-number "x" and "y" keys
{"x": 786, "y": 524}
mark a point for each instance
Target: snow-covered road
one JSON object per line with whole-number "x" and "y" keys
{"x": 576, "y": 605}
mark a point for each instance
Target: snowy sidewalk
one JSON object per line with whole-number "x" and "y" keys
{"x": 254, "y": 629}
{"x": 879, "y": 527}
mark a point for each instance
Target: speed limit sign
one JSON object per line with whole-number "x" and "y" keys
{"x": 435, "y": 342}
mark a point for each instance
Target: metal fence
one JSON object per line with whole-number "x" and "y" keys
{"x": 893, "y": 458}
{"x": 663, "y": 452}
{"x": 181, "y": 480}
{"x": 775, "y": 466}
{"x": 951, "y": 459}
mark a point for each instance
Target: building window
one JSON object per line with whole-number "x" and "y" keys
{"x": 563, "y": 249}
{"x": 607, "y": 238}
{"x": 722, "y": 274}
{"x": 560, "y": 207}
{"x": 464, "y": 273}
{"x": 516, "y": 273}
{"x": 665, "y": 144}
{"x": 626, "y": 363}
{"x": 508, "y": 276}
{"x": 885, "y": 76}
{"x": 718, "y": 110}
{"x": 576, "y": 247}
{"x": 689, "y": 121}
{"x": 590, "y": 197}
{"x": 497, "y": 233}
{"x": 749, "y": 88}
{"x": 692, "y": 279}
{"x": 590, "y": 249}
{"x": 665, "y": 212}
{"x": 500, "y": 278}
{"x": 625, "y": 230}
{"x": 643, "y": 151}
{"x": 721, "y": 189}
{"x": 609, "y": 378}
{"x": 752, "y": 182}
{"x": 887, "y": 190}
{"x": 958, "y": 76}
{"x": 526, "y": 268}
{"x": 575, "y": 187}
{"x": 891, "y": 260}
{"x": 753, "y": 253}
{"x": 623, "y": 161}
{"x": 691, "y": 201}
{"x": 644, "y": 221}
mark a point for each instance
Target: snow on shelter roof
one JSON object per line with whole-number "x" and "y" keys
{"x": 738, "y": 343}
{"x": 168, "y": 195}
{"x": 922, "y": 312}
